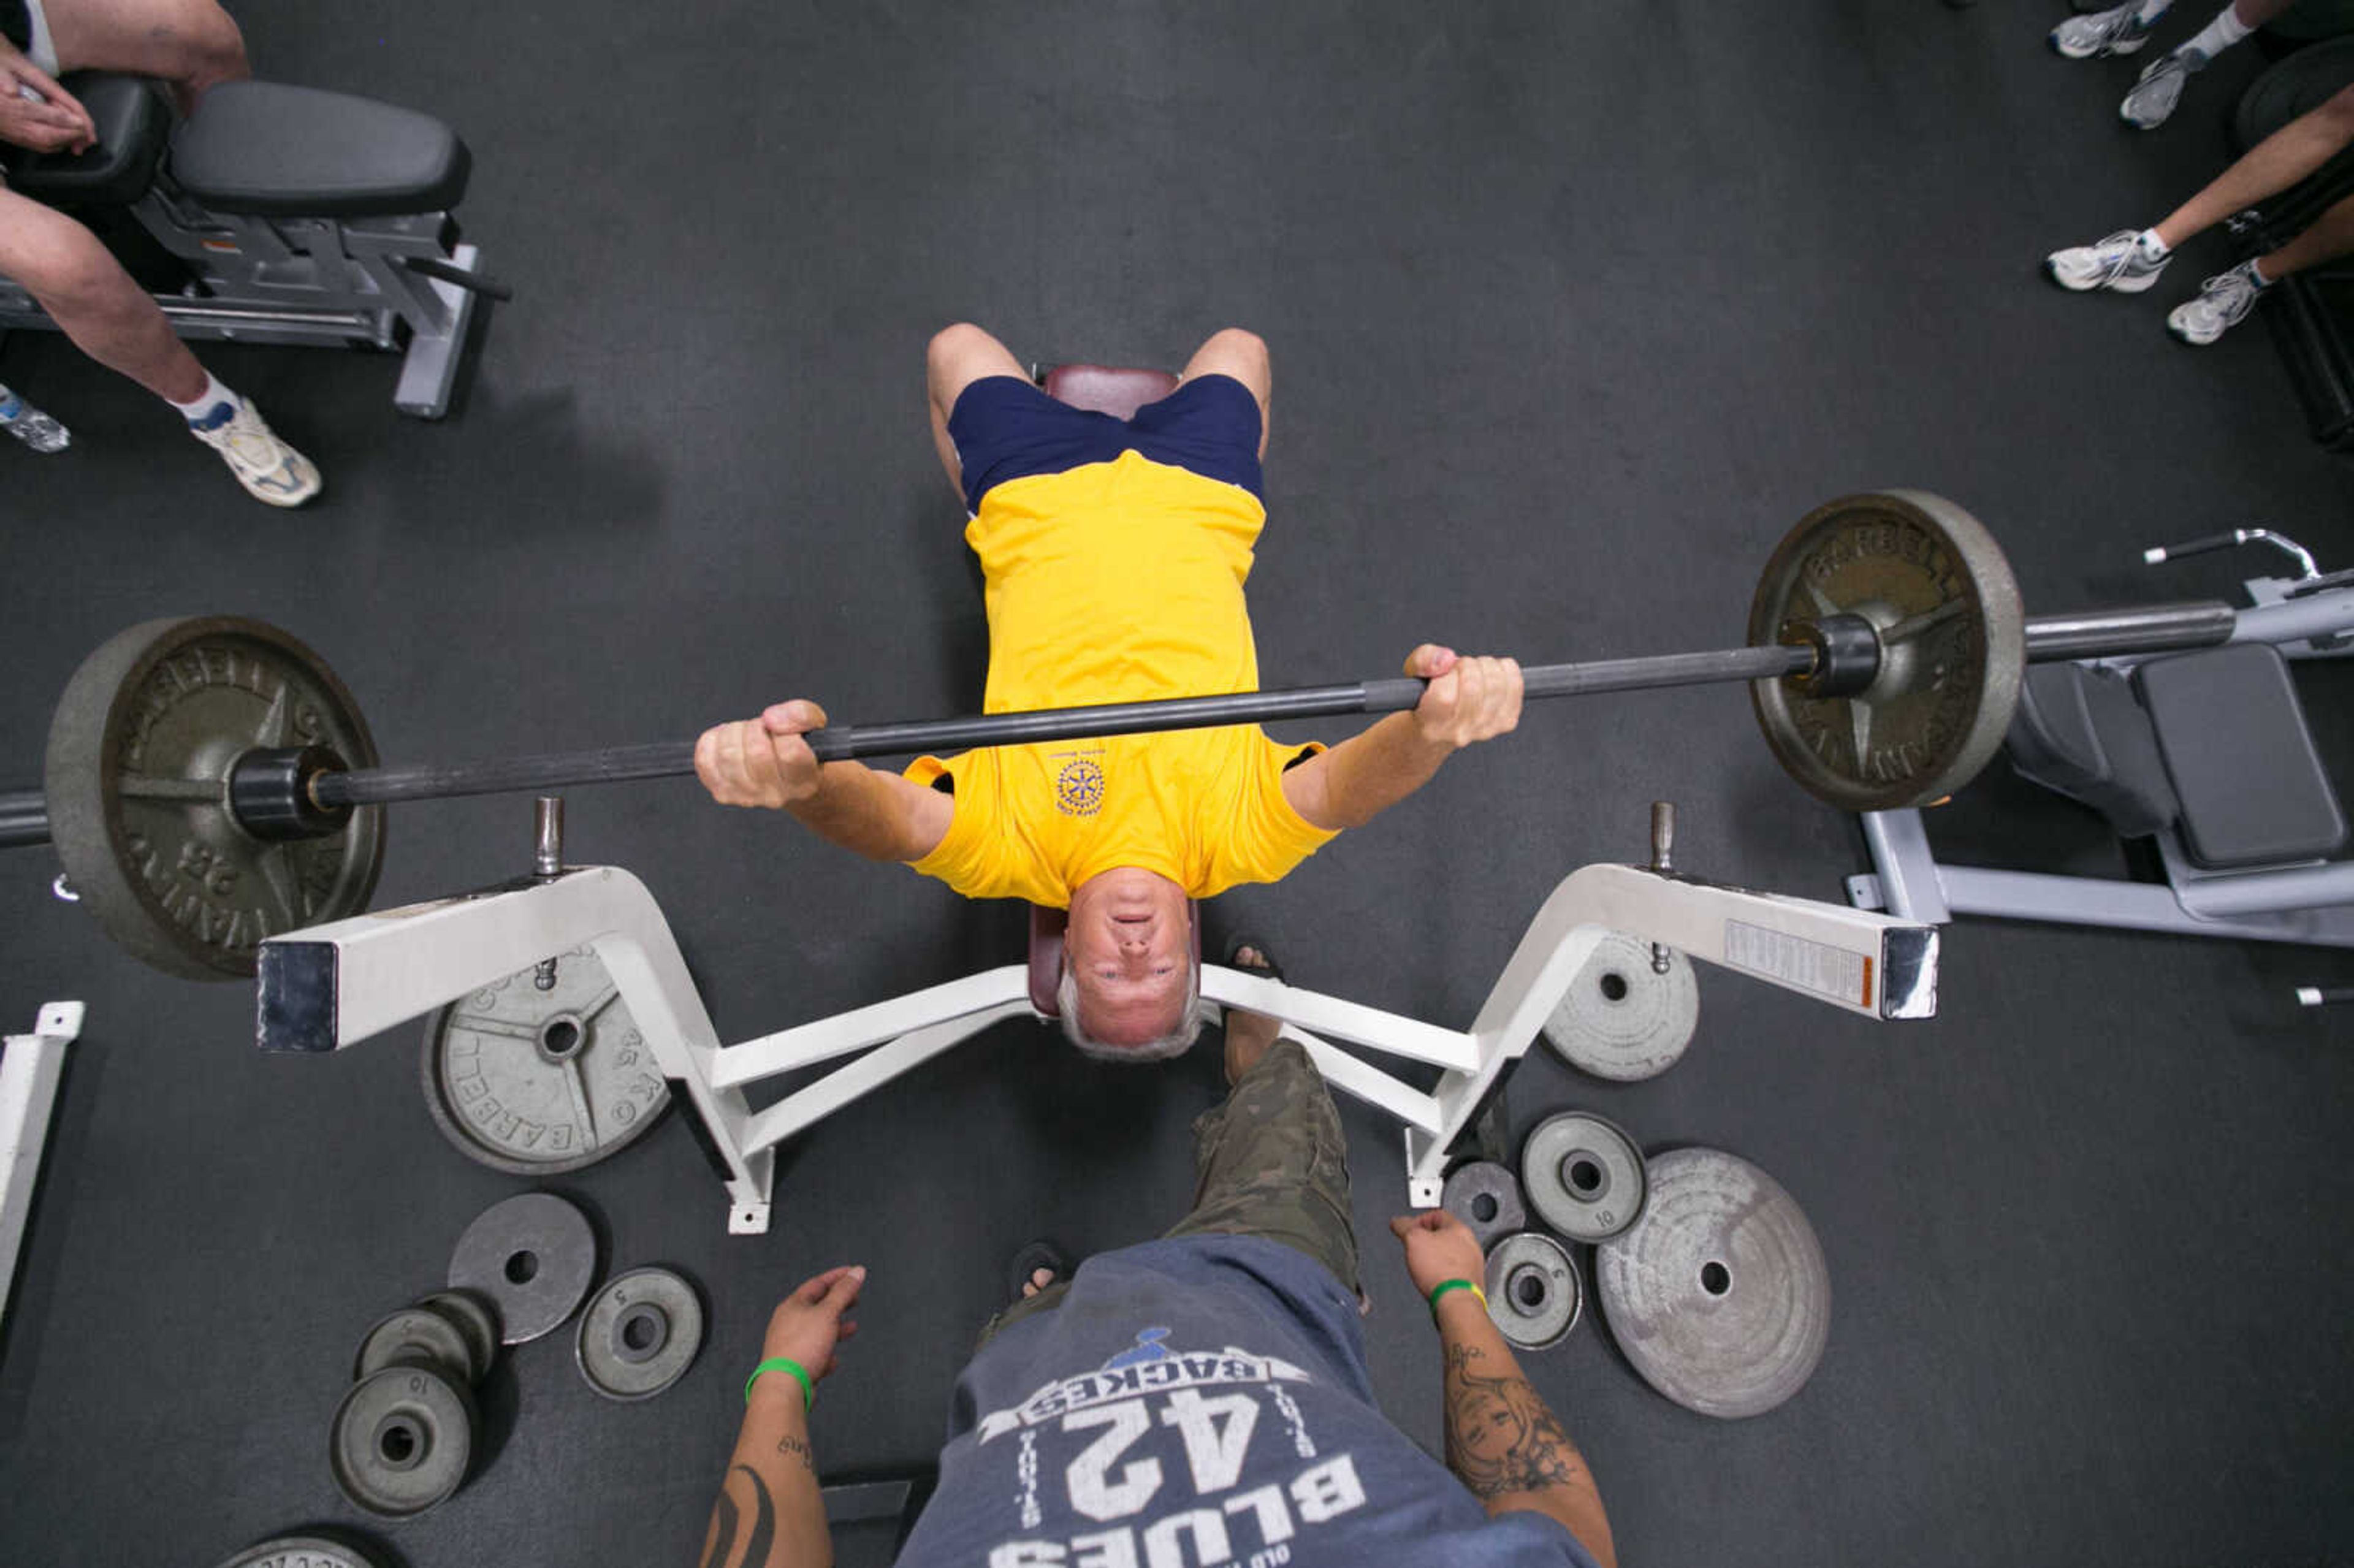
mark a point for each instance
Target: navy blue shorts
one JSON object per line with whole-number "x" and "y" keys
{"x": 1005, "y": 427}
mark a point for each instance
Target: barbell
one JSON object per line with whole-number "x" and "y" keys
{"x": 209, "y": 782}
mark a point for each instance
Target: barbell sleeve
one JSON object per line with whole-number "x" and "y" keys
{"x": 2146, "y": 629}
{"x": 24, "y": 818}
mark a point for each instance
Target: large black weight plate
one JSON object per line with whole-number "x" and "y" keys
{"x": 536, "y": 1083}
{"x": 533, "y": 1257}
{"x": 1718, "y": 1295}
{"x": 402, "y": 1440}
{"x": 1936, "y": 712}
{"x": 136, "y": 781}
{"x": 639, "y": 1334}
{"x": 299, "y": 1552}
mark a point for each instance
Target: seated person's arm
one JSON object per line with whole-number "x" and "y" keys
{"x": 1501, "y": 1441}
{"x": 765, "y": 762}
{"x": 36, "y": 112}
{"x": 771, "y": 1509}
{"x": 1468, "y": 700}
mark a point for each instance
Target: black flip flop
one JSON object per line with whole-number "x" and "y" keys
{"x": 1034, "y": 1256}
{"x": 1267, "y": 969}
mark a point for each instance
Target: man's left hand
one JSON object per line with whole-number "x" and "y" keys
{"x": 1469, "y": 699}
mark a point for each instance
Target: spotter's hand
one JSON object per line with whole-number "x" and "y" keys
{"x": 762, "y": 761}
{"x": 1467, "y": 699}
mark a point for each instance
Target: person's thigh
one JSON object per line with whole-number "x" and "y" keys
{"x": 1002, "y": 428}
{"x": 1212, "y": 425}
{"x": 56, "y": 260}
{"x": 1244, "y": 356}
{"x": 176, "y": 40}
{"x": 1274, "y": 1164}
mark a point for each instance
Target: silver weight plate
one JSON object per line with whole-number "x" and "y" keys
{"x": 536, "y": 1083}
{"x": 1621, "y": 1018}
{"x": 1534, "y": 1296}
{"x": 411, "y": 1334}
{"x": 1486, "y": 1197}
{"x": 475, "y": 1320}
{"x": 532, "y": 1257}
{"x": 639, "y": 1334}
{"x": 299, "y": 1552}
{"x": 1719, "y": 1295}
{"x": 1583, "y": 1175}
{"x": 402, "y": 1440}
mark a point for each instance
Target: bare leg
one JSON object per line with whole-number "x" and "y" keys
{"x": 1242, "y": 355}
{"x": 2329, "y": 236}
{"x": 86, "y": 291}
{"x": 192, "y": 44}
{"x": 956, "y": 358}
{"x": 2271, "y": 167}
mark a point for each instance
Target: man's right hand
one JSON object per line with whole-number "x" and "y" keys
{"x": 762, "y": 761}
{"x": 1438, "y": 1248}
{"x": 55, "y": 121}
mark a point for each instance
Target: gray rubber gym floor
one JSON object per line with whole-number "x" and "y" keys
{"x": 1574, "y": 310}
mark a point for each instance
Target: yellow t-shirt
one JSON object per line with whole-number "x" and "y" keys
{"x": 1117, "y": 582}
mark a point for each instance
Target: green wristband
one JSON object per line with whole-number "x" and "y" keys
{"x": 1444, "y": 1285}
{"x": 783, "y": 1363}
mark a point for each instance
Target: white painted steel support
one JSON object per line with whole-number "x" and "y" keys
{"x": 31, "y": 1067}
{"x": 333, "y": 985}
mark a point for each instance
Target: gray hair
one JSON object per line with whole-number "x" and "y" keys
{"x": 1176, "y": 1043}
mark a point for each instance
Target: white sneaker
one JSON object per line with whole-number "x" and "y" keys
{"x": 2117, "y": 262}
{"x": 2222, "y": 302}
{"x": 2152, "y": 99}
{"x": 269, "y": 470}
{"x": 2116, "y": 31}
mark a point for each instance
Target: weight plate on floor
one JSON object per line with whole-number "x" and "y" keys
{"x": 410, "y": 1335}
{"x": 136, "y": 783}
{"x": 1933, "y": 580}
{"x": 1621, "y": 1018}
{"x": 1485, "y": 1196}
{"x": 475, "y": 1320}
{"x": 533, "y": 1257}
{"x": 299, "y": 1552}
{"x": 402, "y": 1440}
{"x": 536, "y": 1083}
{"x": 639, "y": 1334}
{"x": 1719, "y": 1295}
{"x": 1534, "y": 1297}
{"x": 1583, "y": 1176}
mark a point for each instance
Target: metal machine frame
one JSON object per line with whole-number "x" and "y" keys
{"x": 333, "y": 985}
{"x": 30, "y": 1068}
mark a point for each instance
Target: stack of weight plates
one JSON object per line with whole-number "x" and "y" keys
{"x": 404, "y": 1434}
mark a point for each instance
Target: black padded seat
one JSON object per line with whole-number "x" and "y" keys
{"x": 2080, "y": 732}
{"x": 133, "y": 126}
{"x": 2251, "y": 787}
{"x": 273, "y": 151}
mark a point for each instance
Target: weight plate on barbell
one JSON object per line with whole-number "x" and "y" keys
{"x": 402, "y": 1440}
{"x": 411, "y": 1335}
{"x": 475, "y": 1318}
{"x": 1486, "y": 1197}
{"x": 1534, "y": 1296}
{"x": 1718, "y": 1295}
{"x": 532, "y": 1255}
{"x": 1933, "y": 582}
{"x": 1583, "y": 1175}
{"x": 1621, "y": 1018}
{"x": 639, "y": 1334}
{"x": 136, "y": 784}
{"x": 536, "y": 1083}
{"x": 299, "y": 1552}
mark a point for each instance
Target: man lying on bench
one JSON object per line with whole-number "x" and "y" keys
{"x": 1115, "y": 554}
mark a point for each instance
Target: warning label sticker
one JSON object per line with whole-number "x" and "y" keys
{"x": 1818, "y": 967}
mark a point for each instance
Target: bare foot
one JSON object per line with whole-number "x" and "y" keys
{"x": 1248, "y": 1034}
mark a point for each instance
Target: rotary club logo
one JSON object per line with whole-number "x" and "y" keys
{"x": 1079, "y": 787}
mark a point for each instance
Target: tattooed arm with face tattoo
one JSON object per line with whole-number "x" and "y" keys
{"x": 770, "y": 1513}
{"x": 1501, "y": 1441}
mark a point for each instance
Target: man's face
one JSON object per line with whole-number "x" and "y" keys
{"x": 1130, "y": 946}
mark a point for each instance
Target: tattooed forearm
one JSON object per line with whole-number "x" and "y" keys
{"x": 1500, "y": 1435}
{"x": 726, "y": 1518}
{"x": 794, "y": 1447}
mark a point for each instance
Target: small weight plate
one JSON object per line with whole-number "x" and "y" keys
{"x": 1718, "y": 1295}
{"x": 1583, "y": 1175}
{"x": 475, "y": 1320}
{"x": 136, "y": 783}
{"x": 639, "y": 1334}
{"x": 533, "y": 1257}
{"x": 1485, "y": 1196}
{"x": 536, "y": 1083}
{"x": 1923, "y": 569}
{"x": 299, "y": 1552}
{"x": 1621, "y": 1018}
{"x": 1534, "y": 1297}
{"x": 410, "y": 1335}
{"x": 402, "y": 1440}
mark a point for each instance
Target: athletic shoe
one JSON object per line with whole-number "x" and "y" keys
{"x": 2116, "y": 31}
{"x": 2116, "y": 263}
{"x": 2154, "y": 97}
{"x": 30, "y": 426}
{"x": 2223, "y": 301}
{"x": 269, "y": 470}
